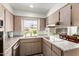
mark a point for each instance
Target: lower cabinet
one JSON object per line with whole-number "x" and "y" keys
{"x": 56, "y": 51}
{"x": 54, "y": 54}
{"x": 46, "y": 48}
{"x": 36, "y": 47}
{"x": 25, "y": 48}
{"x": 15, "y": 49}
{"x": 30, "y": 46}
{"x": 73, "y": 52}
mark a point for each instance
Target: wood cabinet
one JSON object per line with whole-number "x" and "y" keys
{"x": 17, "y": 24}
{"x": 1, "y": 12}
{"x": 15, "y": 49}
{"x": 73, "y": 52}
{"x": 2, "y": 17}
{"x": 8, "y": 21}
{"x": 75, "y": 14}
{"x": 46, "y": 48}
{"x": 25, "y": 48}
{"x": 41, "y": 24}
{"x": 56, "y": 51}
{"x": 53, "y": 18}
{"x": 65, "y": 15}
{"x": 36, "y": 47}
{"x": 30, "y": 46}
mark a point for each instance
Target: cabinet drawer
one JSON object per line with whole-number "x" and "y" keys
{"x": 47, "y": 43}
{"x": 30, "y": 40}
{"x": 54, "y": 54}
{"x": 56, "y": 50}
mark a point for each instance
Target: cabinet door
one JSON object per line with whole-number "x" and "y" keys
{"x": 41, "y": 24}
{"x": 15, "y": 49}
{"x": 46, "y": 50}
{"x": 36, "y": 47}
{"x": 65, "y": 15}
{"x": 75, "y": 14}
{"x": 54, "y": 54}
{"x": 56, "y": 50}
{"x": 9, "y": 21}
{"x": 1, "y": 12}
{"x": 53, "y": 18}
{"x": 17, "y": 23}
{"x": 25, "y": 49}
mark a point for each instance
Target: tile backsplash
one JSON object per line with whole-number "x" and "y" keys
{"x": 57, "y": 31}
{"x": 17, "y": 34}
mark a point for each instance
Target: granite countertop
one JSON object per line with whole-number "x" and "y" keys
{"x": 11, "y": 41}
{"x": 64, "y": 45}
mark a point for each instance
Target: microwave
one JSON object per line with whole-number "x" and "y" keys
{"x": 1, "y": 23}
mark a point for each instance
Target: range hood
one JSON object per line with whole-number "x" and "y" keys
{"x": 54, "y": 25}
{"x": 57, "y": 25}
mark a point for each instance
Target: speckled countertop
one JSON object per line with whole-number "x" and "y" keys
{"x": 64, "y": 45}
{"x": 11, "y": 41}
{"x": 55, "y": 40}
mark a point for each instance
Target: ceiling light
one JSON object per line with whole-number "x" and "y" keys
{"x": 31, "y": 6}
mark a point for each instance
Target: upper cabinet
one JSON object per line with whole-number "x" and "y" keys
{"x": 53, "y": 18}
{"x": 75, "y": 14}
{"x": 1, "y": 12}
{"x": 65, "y": 15}
{"x": 41, "y": 23}
{"x": 2, "y": 17}
{"x": 17, "y": 24}
{"x": 8, "y": 21}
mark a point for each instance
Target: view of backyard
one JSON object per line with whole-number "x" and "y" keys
{"x": 30, "y": 27}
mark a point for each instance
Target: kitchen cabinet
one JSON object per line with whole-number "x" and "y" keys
{"x": 46, "y": 48}
{"x": 25, "y": 48}
{"x": 56, "y": 51}
{"x": 65, "y": 15}
{"x": 46, "y": 21}
{"x": 8, "y": 21}
{"x": 17, "y": 24}
{"x": 1, "y": 12}
{"x": 53, "y": 18}
{"x": 1, "y": 17}
{"x": 30, "y": 46}
{"x": 53, "y": 53}
{"x": 41, "y": 24}
{"x": 75, "y": 14}
{"x": 36, "y": 47}
{"x": 15, "y": 49}
{"x": 73, "y": 52}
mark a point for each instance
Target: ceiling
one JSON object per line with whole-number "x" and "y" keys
{"x": 40, "y": 9}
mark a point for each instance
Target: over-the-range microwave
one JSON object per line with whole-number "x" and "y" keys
{"x": 1, "y": 23}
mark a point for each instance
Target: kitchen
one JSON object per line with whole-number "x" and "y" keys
{"x": 52, "y": 31}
